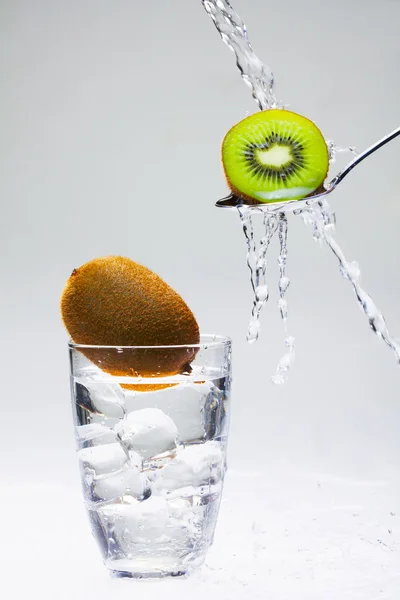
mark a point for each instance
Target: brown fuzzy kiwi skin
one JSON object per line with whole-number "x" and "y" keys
{"x": 113, "y": 301}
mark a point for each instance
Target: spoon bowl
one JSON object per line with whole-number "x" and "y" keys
{"x": 233, "y": 201}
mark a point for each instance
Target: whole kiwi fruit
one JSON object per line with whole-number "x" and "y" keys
{"x": 114, "y": 301}
{"x": 274, "y": 155}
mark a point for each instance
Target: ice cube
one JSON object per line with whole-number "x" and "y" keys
{"x": 95, "y": 434}
{"x": 148, "y": 432}
{"x": 194, "y": 465}
{"x": 185, "y": 404}
{"x": 129, "y": 481}
{"x": 104, "y": 398}
{"x": 104, "y": 459}
{"x": 136, "y": 522}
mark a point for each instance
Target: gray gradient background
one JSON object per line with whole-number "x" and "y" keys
{"x": 112, "y": 119}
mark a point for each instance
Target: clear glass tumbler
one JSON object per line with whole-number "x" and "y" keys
{"x": 152, "y": 452}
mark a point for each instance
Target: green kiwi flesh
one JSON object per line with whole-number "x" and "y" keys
{"x": 273, "y": 156}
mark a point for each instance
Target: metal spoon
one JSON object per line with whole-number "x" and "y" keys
{"x": 233, "y": 201}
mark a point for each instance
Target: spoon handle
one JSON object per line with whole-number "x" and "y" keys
{"x": 363, "y": 155}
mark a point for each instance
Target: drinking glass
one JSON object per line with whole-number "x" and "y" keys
{"x": 152, "y": 453}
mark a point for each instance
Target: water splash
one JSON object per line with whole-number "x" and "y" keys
{"x": 257, "y": 263}
{"x": 287, "y": 359}
{"x": 320, "y": 217}
{"x": 282, "y": 370}
{"x": 334, "y": 150}
{"x": 233, "y": 32}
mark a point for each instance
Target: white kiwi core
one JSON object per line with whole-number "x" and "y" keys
{"x": 276, "y": 156}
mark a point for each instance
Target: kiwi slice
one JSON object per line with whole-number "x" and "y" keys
{"x": 273, "y": 156}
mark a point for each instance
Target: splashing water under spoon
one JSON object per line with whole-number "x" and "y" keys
{"x": 316, "y": 213}
{"x": 233, "y": 201}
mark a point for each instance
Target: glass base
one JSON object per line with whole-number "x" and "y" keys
{"x": 147, "y": 575}
{"x": 153, "y": 568}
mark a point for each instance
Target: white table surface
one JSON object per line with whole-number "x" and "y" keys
{"x": 297, "y": 537}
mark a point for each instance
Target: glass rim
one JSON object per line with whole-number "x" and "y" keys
{"x": 216, "y": 341}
